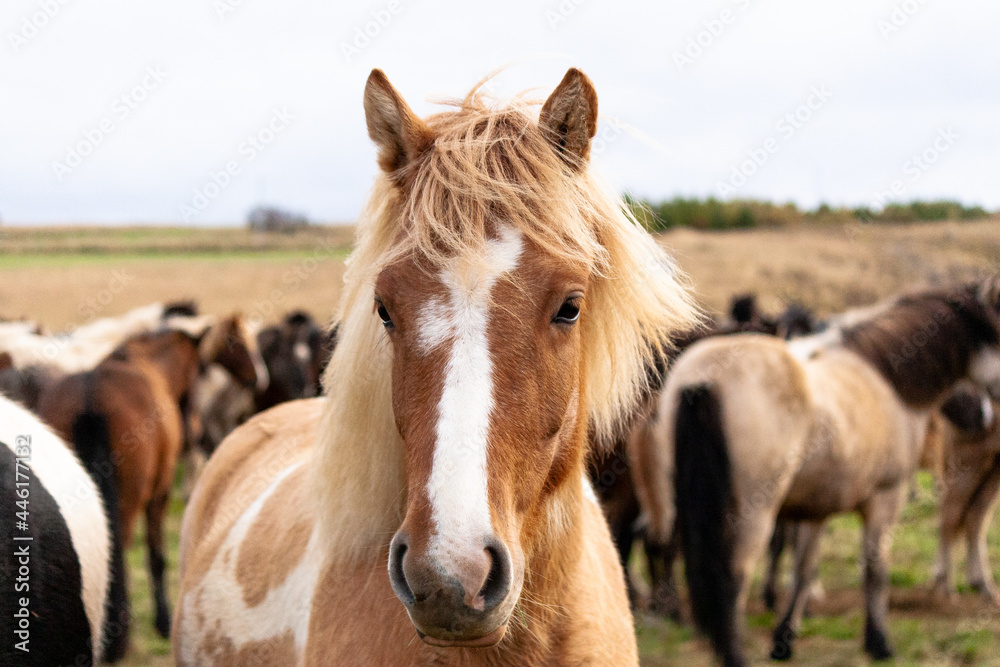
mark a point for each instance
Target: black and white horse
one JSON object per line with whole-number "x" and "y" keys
{"x": 56, "y": 545}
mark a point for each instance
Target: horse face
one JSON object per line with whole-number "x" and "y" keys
{"x": 238, "y": 354}
{"x": 485, "y": 386}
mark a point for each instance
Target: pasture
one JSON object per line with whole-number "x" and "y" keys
{"x": 65, "y": 277}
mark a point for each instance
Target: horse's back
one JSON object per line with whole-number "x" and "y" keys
{"x": 243, "y": 542}
{"x": 763, "y": 396}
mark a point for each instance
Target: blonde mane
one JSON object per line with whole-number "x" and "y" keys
{"x": 486, "y": 165}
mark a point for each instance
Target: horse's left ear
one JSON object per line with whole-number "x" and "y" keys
{"x": 569, "y": 118}
{"x": 398, "y": 132}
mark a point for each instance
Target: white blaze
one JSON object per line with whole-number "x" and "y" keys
{"x": 457, "y": 487}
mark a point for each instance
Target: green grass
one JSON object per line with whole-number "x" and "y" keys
{"x": 923, "y": 632}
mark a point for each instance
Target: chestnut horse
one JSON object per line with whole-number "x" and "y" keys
{"x": 432, "y": 509}
{"x": 835, "y": 422}
{"x": 132, "y": 406}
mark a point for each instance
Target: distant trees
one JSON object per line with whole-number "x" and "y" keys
{"x": 747, "y": 213}
{"x": 272, "y": 219}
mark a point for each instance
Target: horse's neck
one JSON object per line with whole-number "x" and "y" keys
{"x": 921, "y": 361}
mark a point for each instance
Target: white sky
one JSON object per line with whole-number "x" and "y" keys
{"x": 226, "y": 76}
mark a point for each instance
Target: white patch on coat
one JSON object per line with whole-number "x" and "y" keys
{"x": 457, "y": 487}
{"x": 985, "y": 370}
{"x": 286, "y": 607}
{"x": 56, "y": 467}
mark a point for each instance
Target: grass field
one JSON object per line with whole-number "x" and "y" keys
{"x": 64, "y": 277}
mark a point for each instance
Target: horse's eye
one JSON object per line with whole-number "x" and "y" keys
{"x": 569, "y": 311}
{"x": 383, "y": 314}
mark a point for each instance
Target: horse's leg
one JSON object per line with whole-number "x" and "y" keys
{"x": 774, "y": 550}
{"x": 155, "y": 514}
{"x": 880, "y": 514}
{"x": 977, "y": 523}
{"x": 958, "y": 488}
{"x": 806, "y": 561}
{"x": 664, "y": 598}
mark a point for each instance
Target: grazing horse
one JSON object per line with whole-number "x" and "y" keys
{"x": 56, "y": 544}
{"x": 835, "y": 422}
{"x": 970, "y": 481}
{"x": 432, "y": 509}
{"x": 130, "y": 410}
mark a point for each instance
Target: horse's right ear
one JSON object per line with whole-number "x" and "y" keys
{"x": 398, "y": 132}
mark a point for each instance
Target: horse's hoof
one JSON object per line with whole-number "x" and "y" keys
{"x": 782, "y": 652}
{"x": 783, "y": 638}
{"x": 876, "y": 645}
{"x": 989, "y": 594}
{"x": 163, "y": 625}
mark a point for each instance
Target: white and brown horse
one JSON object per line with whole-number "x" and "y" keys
{"x": 56, "y": 545}
{"x": 836, "y": 422}
{"x": 497, "y": 305}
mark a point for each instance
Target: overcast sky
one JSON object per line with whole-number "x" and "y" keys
{"x": 117, "y": 111}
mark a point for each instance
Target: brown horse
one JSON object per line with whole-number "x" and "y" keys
{"x": 970, "y": 481}
{"x": 830, "y": 423}
{"x": 132, "y": 405}
{"x": 432, "y": 509}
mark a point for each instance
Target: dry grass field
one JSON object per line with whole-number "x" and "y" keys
{"x": 63, "y": 277}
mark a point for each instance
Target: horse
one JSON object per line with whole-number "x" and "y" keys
{"x": 37, "y": 360}
{"x": 970, "y": 481}
{"x": 84, "y": 347}
{"x": 432, "y": 508}
{"x": 131, "y": 410}
{"x": 836, "y": 422}
{"x": 56, "y": 547}
{"x": 295, "y": 351}
{"x": 634, "y": 495}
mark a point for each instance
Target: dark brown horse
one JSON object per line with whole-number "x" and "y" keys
{"x": 133, "y": 405}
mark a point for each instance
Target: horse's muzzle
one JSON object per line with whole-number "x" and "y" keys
{"x": 464, "y": 603}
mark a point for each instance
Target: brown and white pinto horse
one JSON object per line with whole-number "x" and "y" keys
{"x": 497, "y": 305}
{"x": 835, "y": 422}
{"x": 129, "y": 412}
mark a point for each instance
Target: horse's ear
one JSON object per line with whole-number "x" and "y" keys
{"x": 569, "y": 118}
{"x": 399, "y": 134}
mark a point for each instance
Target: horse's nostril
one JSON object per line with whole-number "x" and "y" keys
{"x": 497, "y": 585}
{"x": 397, "y": 577}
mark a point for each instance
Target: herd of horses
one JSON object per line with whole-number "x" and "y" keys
{"x": 518, "y": 388}
{"x": 131, "y": 394}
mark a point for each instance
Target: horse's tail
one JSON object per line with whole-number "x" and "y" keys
{"x": 92, "y": 441}
{"x": 704, "y": 499}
